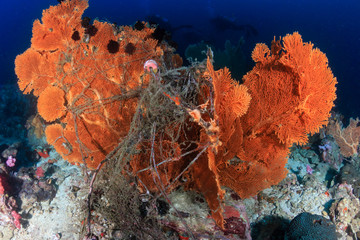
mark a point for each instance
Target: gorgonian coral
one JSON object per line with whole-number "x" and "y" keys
{"x": 89, "y": 83}
{"x": 195, "y": 122}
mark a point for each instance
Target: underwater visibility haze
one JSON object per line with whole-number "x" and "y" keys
{"x": 330, "y": 25}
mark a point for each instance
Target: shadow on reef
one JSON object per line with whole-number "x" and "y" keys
{"x": 304, "y": 226}
{"x": 15, "y": 110}
{"x": 270, "y": 228}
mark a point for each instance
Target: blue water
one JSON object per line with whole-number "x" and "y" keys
{"x": 333, "y": 26}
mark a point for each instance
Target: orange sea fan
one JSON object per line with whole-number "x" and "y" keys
{"x": 231, "y": 101}
{"x": 206, "y": 180}
{"x": 158, "y": 165}
{"x": 54, "y": 136}
{"x": 88, "y": 147}
{"x": 260, "y": 52}
{"x": 227, "y": 91}
{"x": 259, "y": 164}
{"x": 95, "y": 80}
{"x": 104, "y": 31}
{"x": 315, "y": 76}
{"x": 53, "y": 33}
{"x": 239, "y": 99}
{"x": 35, "y": 70}
{"x": 53, "y": 109}
{"x": 292, "y": 94}
{"x": 303, "y": 82}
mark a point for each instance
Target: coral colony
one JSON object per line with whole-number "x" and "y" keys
{"x": 10, "y": 162}
{"x": 117, "y": 102}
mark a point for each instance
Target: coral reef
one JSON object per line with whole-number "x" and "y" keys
{"x": 9, "y": 208}
{"x": 37, "y": 191}
{"x": 47, "y": 215}
{"x": 86, "y": 78}
{"x": 349, "y": 174}
{"x": 286, "y": 104}
{"x": 162, "y": 127}
{"x": 330, "y": 153}
{"x": 193, "y": 211}
{"x": 345, "y": 214}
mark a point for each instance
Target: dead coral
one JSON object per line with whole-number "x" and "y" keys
{"x": 347, "y": 138}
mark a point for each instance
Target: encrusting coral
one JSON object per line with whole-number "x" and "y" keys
{"x": 86, "y": 78}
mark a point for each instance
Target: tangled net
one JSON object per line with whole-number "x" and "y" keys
{"x": 161, "y": 145}
{"x": 99, "y": 102}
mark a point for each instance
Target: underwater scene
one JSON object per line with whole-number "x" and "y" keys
{"x": 137, "y": 120}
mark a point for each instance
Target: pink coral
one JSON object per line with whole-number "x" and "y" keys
{"x": 2, "y": 184}
{"x": 10, "y": 162}
{"x": 17, "y": 218}
{"x": 39, "y": 172}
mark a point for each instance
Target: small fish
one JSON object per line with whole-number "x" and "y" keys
{"x": 43, "y": 153}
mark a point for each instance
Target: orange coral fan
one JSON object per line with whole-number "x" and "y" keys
{"x": 158, "y": 165}
{"x": 231, "y": 101}
{"x": 292, "y": 95}
{"x": 88, "y": 78}
{"x": 54, "y": 135}
{"x": 58, "y": 25}
{"x": 54, "y": 109}
{"x": 35, "y": 70}
{"x": 347, "y": 138}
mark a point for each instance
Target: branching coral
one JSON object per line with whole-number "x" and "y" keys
{"x": 86, "y": 80}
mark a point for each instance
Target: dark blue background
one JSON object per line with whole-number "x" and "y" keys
{"x": 333, "y": 26}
